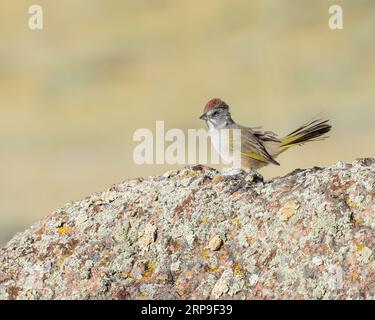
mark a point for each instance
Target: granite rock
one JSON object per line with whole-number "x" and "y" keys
{"x": 197, "y": 234}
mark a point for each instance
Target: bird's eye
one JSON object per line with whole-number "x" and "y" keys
{"x": 215, "y": 113}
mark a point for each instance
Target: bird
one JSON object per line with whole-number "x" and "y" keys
{"x": 257, "y": 148}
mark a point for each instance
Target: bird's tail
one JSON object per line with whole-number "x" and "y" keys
{"x": 312, "y": 131}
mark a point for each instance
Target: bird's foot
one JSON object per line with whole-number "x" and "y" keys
{"x": 230, "y": 172}
{"x": 251, "y": 175}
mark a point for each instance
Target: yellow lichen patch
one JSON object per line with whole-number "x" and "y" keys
{"x": 142, "y": 296}
{"x": 204, "y": 253}
{"x": 58, "y": 266}
{"x": 237, "y": 270}
{"x": 104, "y": 261}
{"x": 189, "y": 174}
{"x": 327, "y": 249}
{"x": 63, "y": 230}
{"x": 60, "y": 262}
{"x": 237, "y": 222}
{"x": 288, "y": 210}
{"x": 150, "y": 269}
{"x": 204, "y": 221}
{"x": 359, "y": 248}
{"x": 212, "y": 268}
{"x": 364, "y": 253}
{"x": 355, "y": 210}
{"x": 29, "y": 293}
{"x": 350, "y": 204}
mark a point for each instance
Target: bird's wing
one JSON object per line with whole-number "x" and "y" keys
{"x": 252, "y": 145}
{"x": 265, "y": 136}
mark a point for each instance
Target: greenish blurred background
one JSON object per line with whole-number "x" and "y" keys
{"x": 73, "y": 94}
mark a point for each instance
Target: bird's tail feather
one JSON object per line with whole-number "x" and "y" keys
{"x": 311, "y": 131}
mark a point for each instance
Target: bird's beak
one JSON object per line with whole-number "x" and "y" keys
{"x": 203, "y": 116}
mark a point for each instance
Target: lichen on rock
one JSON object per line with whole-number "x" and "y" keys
{"x": 196, "y": 233}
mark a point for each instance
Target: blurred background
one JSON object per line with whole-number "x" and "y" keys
{"x": 72, "y": 95}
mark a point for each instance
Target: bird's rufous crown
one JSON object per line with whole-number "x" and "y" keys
{"x": 215, "y": 103}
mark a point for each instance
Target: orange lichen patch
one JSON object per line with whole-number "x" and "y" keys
{"x": 127, "y": 275}
{"x": 355, "y": 276}
{"x": 187, "y": 274}
{"x": 96, "y": 208}
{"x": 271, "y": 284}
{"x": 235, "y": 194}
{"x": 259, "y": 287}
{"x": 163, "y": 277}
{"x": 250, "y": 240}
{"x": 63, "y": 230}
{"x": 288, "y": 210}
{"x": 306, "y": 250}
{"x": 217, "y": 179}
{"x": 219, "y": 187}
{"x": 204, "y": 253}
{"x": 298, "y": 296}
{"x": 321, "y": 268}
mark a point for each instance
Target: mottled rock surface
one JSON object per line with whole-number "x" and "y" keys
{"x": 195, "y": 233}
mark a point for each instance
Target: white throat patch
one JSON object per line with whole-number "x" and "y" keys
{"x": 219, "y": 142}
